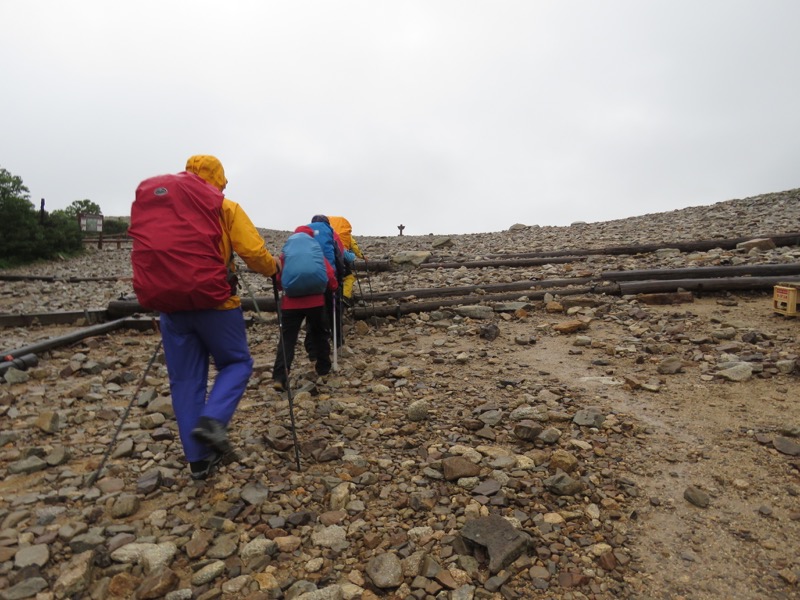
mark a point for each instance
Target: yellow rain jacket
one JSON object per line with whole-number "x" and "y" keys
{"x": 239, "y": 235}
{"x": 345, "y": 230}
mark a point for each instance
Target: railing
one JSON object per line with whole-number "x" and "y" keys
{"x": 101, "y": 240}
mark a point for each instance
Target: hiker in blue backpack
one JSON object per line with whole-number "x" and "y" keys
{"x": 333, "y": 249}
{"x": 306, "y": 276}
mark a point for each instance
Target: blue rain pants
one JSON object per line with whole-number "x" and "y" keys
{"x": 190, "y": 338}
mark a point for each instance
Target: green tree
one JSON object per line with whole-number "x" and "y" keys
{"x": 27, "y": 235}
{"x": 11, "y": 186}
{"x": 19, "y": 231}
{"x": 86, "y": 207}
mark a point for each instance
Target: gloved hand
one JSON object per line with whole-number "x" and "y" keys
{"x": 349, "y": 256}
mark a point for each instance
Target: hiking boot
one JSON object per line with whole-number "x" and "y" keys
{"x": 213, "y": 433}
{"x": 202, "y": 469}
{"x": 278, "y": 385}
{"x": 322, "y": 370}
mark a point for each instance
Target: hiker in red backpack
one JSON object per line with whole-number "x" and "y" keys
{"x": 185, "y": 233}
{"x": 305, "y": 277}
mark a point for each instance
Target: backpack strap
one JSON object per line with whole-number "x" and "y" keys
{"x": 232, "y": 277}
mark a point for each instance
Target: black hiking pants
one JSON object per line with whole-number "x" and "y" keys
{"x": 329, "y": 304}
{"x": 317, "y": 343}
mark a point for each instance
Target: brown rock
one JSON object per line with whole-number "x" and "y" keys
{"x": 553, "y": 307}
{"x": 607, "y": 561}
{"x": 570, "y": 326}
{"x": 456, "y": 467}
{"x": 527, "y": 430}
{"x": 757, "y": 244}
{"x": 446, "y": 579}
{"x": 158, "y": 584}
{"x": 122, "y": 585}
{"x": 199, "y": 543}
{"x": 569, "y": 579}
{"x": 561, "y": 459}
{"x": 48, "y": 421}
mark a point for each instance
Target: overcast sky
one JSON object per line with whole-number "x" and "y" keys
{"x": 457, "y": 116}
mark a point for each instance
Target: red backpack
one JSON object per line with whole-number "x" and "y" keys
{"x": 176, "y": 231}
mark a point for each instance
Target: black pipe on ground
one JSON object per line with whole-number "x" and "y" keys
{"x": 717, "y": 284}
{"x": 63, "y": 340}
{"x": 126, "y": 308}
{"x": 61, "y": 317}
{"x": 702, "y": 272}
{"x": 23, "y": 363}
{"x": 54, "y": 278}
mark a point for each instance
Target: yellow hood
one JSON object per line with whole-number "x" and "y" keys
{"x": 209, "y": 169}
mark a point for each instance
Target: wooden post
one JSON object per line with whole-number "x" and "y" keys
{"x": 401, "y": 227}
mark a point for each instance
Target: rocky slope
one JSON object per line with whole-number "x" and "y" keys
{"x": 591, "y": 447}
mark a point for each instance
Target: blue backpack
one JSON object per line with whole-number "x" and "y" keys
{"x": 303, "y": 272}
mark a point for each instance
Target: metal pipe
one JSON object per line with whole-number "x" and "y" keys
{"x": 702, "y": 272}
{"x": 126, "y": 308}
{"x": 63, "y": 340}
{"x": 92, "y": 315}
{"x": 23, "y": 363}
{"x": 716, "y": 284}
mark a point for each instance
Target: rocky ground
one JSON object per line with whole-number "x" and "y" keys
{"x": 575, "y": 447}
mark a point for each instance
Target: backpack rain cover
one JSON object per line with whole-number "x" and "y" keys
{"x": 304, "y": 271}
{"x": 176, "y": 231}
{"x": 324, "y": 234}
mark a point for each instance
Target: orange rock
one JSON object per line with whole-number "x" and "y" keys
{"x": 570, "y": 326}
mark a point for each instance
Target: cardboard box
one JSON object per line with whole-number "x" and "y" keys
{"x": 784, "y": 299}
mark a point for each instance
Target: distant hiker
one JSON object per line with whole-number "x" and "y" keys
{"x": 333, "y": 249}
{"x": 351, "y": 250}
{"x": 306, "y": 275}
{"x": 331, "y": 243}
{"x": 185, "y": 233}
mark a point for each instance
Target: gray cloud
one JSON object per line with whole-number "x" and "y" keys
{"x": 446, "y": 116}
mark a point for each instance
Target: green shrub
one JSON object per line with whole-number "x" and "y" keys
{"x": 62, "y": 233}
{"x": 27, "y": 234}
{"x": 114, "y": 226}
{"x": 21, "y": 237}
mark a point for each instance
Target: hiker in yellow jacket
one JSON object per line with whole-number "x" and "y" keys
{"x": 193, "y": 338}
{"x": 342, "y": 227}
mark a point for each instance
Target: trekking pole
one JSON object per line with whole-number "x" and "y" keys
{"x": 286, "y": 372}
{"x": 358, "y": 281}
{"x": 335, "y": 361}
{"x": 96, "y": 474}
